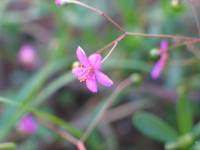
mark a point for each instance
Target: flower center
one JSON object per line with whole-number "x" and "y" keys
{"x": 86, "y": 73}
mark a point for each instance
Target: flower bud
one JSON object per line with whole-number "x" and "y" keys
{"x": 154, "y": 54}
{"x": 27, "y": 125}
{"x": 136, "y": 79}
{"x": 59, "y": 2}
{"x": 27, "y": 56}
{"x": 176, "y": 4}
{"x": 75, "y": 64}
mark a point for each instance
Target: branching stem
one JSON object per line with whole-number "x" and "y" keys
{"x": 122, "y": 85}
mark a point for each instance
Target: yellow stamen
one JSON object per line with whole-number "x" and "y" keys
{"x": 84, "y": 78}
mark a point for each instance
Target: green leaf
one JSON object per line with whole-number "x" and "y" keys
{"x": 196, "y": 131}
{"x": 184, "y": 111}
{"x": 26, "y": 95}
{"x": 92, "y": 142}
{"x": 196, "y": 145}
{"x": 154, "y": 127}
{"x": 53, "y": 87}
{"x": 7, "y": 146}
{"x": 181, "y": 143}
{"x": 57, "y": 121}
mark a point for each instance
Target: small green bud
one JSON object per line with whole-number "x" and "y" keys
{"x": 183, "y": 142}
{"x": 154, "y": 54}
{"x": 136, "y": 78}
{"x": 7, "y": 146}
{"x": 176, "y": 4}
{"x": 75, "y": 64}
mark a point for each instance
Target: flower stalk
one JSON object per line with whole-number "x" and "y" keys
{"x": 110, "y": 52}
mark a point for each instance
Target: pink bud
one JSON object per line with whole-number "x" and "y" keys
{"x": 27, "y": 56}
{"x": 59, "y": 2}
{"x": 161, "y": 63}
{"x": 27, "y": 125}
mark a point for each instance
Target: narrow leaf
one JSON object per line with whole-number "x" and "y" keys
{"x": 154, "y": 127}
{"x": 26, "y": 95}
{"x": 7, "y": 146}
{"x": 184, "y": 111}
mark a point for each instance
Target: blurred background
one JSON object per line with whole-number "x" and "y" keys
{"x": 38, "y": 41}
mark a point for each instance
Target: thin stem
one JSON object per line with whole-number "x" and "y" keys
{"x": 98, "y": 12}
{"x": 110, "y": 52}
{"x": 67, "y": 136}
{"x": 195, "y": 15}
{"x": 118, "y": 39}
{"x": 127, "y": 109}
{"x": 190, "y": 40}
{"x": 160, "y": 36}
{"x": 122, "y": 36}
{"x": 194, "y": 50}
{"x": 185, "y": 62}
{"x": 103, "y": 14}
{"x": 127, "y": 82}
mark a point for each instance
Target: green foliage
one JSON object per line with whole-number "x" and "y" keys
{"x": 154, "y": 127}
{"x": 25, "y": 96}
{"x": 7, "y": 146}
{"x": 56, "y": 31}
{"x": 184, "y": 111}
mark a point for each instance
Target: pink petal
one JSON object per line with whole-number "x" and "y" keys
{"x": 91, "y": 83}
{"x": 82, "y": 57}
{"x": 27, "y": 125}
{"x": 103, "y": 79}
{"x": 164, "y": 46}
{"x": 77, "y": 71}
{"x": 27, "y": 56}
{"x": 95, "y": 60}
{"x": 159, "y": 67}
{"x": 59, "y": 2}
{"x": 156, "y": 71}
{"x": 80, "y": 72}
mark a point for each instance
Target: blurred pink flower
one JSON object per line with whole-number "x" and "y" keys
{"x": 27, "y": 125}
{"x": 161, "y": 63}
{"x": 89, "y": 70}
{"x": 59, "y": 2}
{"x": 27, "y": 56}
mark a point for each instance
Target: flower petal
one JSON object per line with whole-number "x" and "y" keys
{"x": 59, "y": 2}
{"x": 103, "y": 79}
{"x": 156, "y": 71}
{"x": 159, "y": 67}
{"x": 95, "y": 60}
{"x": 27, "y": 125}
{"x": 164, "y": 46}
{"x": 82, "y": 57}
{"x": 91, "y": 83}
{"x": 77, "y": 71}
{"x": 80, "y": 72}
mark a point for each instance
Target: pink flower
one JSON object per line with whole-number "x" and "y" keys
{"x": 59, "y": 2}
{"x": 161, "y": 63}
{"x": 27, "y": 125}
{"x": 27, "y": 56}
{"x": 89, "y": 70}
